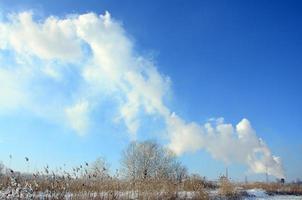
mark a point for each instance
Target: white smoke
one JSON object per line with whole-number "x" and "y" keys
{"x": 99, "y": 50}
{"x": 224, "y": 142}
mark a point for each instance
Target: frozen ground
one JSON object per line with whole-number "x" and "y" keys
{"x": 258, "y": 194}
{"x": 253, "y": 194}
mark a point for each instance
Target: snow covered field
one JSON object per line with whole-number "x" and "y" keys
{"x": 252, "y": 194}
{"x": 276, "y": 197}
{"x": 258, "y": 194}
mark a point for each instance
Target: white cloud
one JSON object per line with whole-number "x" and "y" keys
{"x": 12, "y": 88}
{"x": 110, "y": 68}
{"x": 52, "y": 72}
{"x": 184, "y": 137}
{"x": 116, "y": 66}
{"x": 224, "y": 142}
{"x": 77, "y": 116}
{"x": 53, "y": 39}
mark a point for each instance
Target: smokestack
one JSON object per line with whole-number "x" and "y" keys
{"x": 227, "y": 174}
{"x": 266, "y": 175}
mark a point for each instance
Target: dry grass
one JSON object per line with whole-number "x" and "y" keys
{"x": 81, "y": 186}
{"x": 53, "y": 186}
{"x": 149, "y": 172}
{"x": 228, "y": 189}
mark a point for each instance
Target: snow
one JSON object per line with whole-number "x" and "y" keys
{"x": 275, "y": 197}
{"x": 259, "y": 194}
{"x": 253, "y": 194}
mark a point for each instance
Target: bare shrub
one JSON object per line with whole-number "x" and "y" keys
{"x": 227, "y": 189}
{"x": 197, "y": 185}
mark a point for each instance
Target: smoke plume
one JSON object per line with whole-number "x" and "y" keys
{"x": 79, "y": 60}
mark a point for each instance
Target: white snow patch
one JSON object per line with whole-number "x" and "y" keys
{"x": 259, "y": 194}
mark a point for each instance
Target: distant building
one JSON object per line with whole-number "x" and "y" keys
{"x": 223, "y": 178}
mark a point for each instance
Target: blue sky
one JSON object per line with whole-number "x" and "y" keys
{"x": 229, "y": 59}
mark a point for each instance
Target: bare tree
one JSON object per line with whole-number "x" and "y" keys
{"x": 99, "y": 169}
{"x": 148, "y": 159}
{"x": 180, "y": 172}
{"x": 2, "y": 167}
